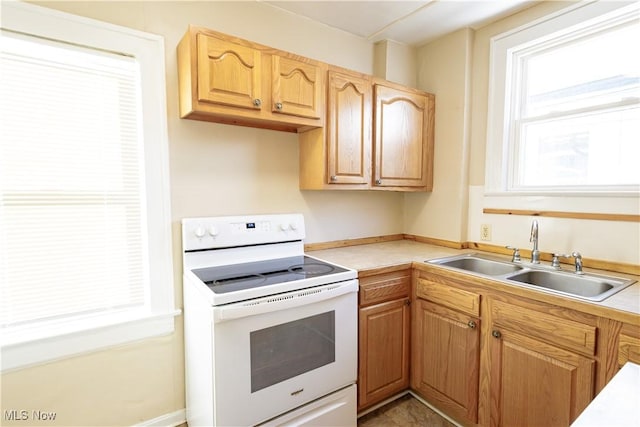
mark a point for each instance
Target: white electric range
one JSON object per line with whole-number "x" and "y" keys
{"x": 270, "y": 332}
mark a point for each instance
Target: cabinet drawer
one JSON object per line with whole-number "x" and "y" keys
{"x": 457, "y": 299}
{"x": 629, "y": 344}
{"x": 385, "y": 287}
{"x": 546, "y": 327}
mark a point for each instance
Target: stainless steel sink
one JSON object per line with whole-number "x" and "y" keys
{"x": 478, "y": 264}
{"x": 587, "y": 286}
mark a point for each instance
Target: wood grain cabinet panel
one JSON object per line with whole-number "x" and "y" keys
{"x": 446, "y": 359}
{"x": 338, "y": 157}
{"x": 385, "y": 287}
{"x": 403, "y": 150}
{"x": 448, "y": 296}
{"x": 348, "y": 129}
{"x": 383, "y": 337}
{"x": 228, "y": 73}
{"x": 629, "y": 344}
{"x": 537, "y": 378}
{"x": 297, "y": 88}
{"x": 537, "y": 384}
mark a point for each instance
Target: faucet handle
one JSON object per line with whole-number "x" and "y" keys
{"x": 516, "y": 254}
{"x": 555, "y": 261}
{"x": 578, "y": 258}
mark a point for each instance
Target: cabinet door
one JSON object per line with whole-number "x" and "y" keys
{"x": 446, "y": 358}
{"x": 536, "y": 384}
{"x": 297, "y": 88}
{"x": 348, "y": 129}
{"x": 228, "y": 73}
{"x": 403, "y": 138}
{"x": 383, "y": 351}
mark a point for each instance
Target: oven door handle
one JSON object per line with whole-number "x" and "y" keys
{"x": 283, "y": 301}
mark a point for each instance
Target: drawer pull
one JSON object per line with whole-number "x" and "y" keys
{"x": 471, "y": 324}
{"x": 496, "y": 333}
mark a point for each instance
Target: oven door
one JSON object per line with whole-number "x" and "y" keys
{"x": 274, "y": 354}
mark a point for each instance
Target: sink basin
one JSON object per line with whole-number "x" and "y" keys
{"x": 476, "y": 264}
{"x": 592, "y": 287}
{"x": 588, "y": 286}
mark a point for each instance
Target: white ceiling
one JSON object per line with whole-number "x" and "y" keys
{"x": 410, "y": 22}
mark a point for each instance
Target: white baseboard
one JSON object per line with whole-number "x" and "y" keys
{"x": 167, "y": 420}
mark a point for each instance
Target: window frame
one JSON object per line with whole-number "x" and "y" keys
{"x": 29, "y": 346}
{"x": 497, "y": 193}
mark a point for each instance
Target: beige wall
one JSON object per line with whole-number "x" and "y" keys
{"x": 443, "y": 69}
{"x": 395, "y": 62}
{"x": 215, "y": 170}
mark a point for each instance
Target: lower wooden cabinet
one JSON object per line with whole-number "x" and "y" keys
{"x": 482, "y": 356}
{"x": 541, "y": 367}
{"x": 446, "y": 359}
{"x": 536, "y": 384}
{"x": 383, "y": 341}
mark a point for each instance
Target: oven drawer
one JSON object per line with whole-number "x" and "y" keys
{"x": 337, "y": 410}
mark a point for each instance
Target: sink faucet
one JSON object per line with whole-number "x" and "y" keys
{"x": 535, "y": 253}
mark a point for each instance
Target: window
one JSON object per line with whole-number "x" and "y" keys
{"x": 564, "y": 108}
{"x": 84, "y": 227}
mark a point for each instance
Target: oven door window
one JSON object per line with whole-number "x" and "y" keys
{"x": 285, "y": 351}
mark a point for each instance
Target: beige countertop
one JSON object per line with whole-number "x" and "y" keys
{"x": 398, "y": 252}
{"x": 386, "y": 254}
{"x": 617, "y": 403}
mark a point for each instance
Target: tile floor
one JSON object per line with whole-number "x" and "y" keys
{"x": 406, "y": 411}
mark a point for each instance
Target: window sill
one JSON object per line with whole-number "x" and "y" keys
{"x": 617, "y": 207}
{"x": 29, "y": 347}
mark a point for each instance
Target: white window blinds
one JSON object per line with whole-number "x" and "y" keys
{"x": 72, "y": 198}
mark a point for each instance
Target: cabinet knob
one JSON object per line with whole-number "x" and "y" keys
{"x": 496, "y": 333}
{"x": 279, "y": 106}
{"x": 471, "y": 324}
{"x": 407, "y": 302}
{"x": 257, "y": 102}
{"x": 378, "y": 182}
{"x": 333, "y": 178}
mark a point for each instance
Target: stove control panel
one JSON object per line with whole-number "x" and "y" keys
{"x": 236, "y": 231}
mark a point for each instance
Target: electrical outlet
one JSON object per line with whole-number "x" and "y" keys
{"x": 485, "y": 232}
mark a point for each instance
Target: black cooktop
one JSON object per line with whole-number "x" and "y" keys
{"x": 237, "y": 277}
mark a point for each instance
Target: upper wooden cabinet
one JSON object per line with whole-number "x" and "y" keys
{"x": 230, "y": 80}
{"x": 339, "y": 156}
{"x": 377, "y": 134}
{"x": 297, "y": 88}
{"x": 404, "y": 120}
{"x": 348, "y": 129}
{"x": 344, "y": 155}
{"x": 228, "y": 73}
